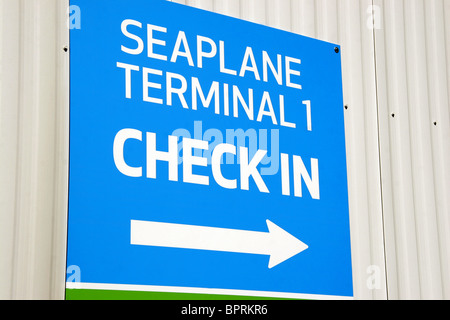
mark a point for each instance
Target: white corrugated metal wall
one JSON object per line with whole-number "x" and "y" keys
{"x": 413, "y": 56}
{"x": 33, "y": 148}
{"x": 396, "y": 90}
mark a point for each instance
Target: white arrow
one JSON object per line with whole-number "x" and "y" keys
{"x": 276, "y": 243}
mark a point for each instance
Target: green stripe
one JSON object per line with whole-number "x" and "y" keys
{"x": 93, "y": 294}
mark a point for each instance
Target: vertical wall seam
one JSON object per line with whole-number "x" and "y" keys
{"x": 316, "y": 19}
{"x": 408, "y": 99}
{"x": 379, "y": 151}
{"x": 16, "y": 244}
{"x": 266, "y": 12}
{"x": 369, "y": 103}
{"x": 446, "y": 286}
{"x": 338, "y": 31}
{"x": 389, "y": 164}
{"x": 56, "y": 177}
{"x": 55, "y": 161}
{"x": 364, "y": 117}
{"x": 366, "y": 103}
{"x": 35, "y": 146}
{"x": 436, "y": 146}
{"x": 446, "y": 14}
{"x": 430, "y": 129}
{"x": 291, "y": 17}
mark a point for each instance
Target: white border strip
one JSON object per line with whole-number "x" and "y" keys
{"x": 231, "y": 292}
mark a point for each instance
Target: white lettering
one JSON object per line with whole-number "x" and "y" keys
{"x": 245, "y": 67}
{"x": 147, "y": 84}
{"x": 312, "y": 182}
{"x": 128, "y": 68}
{"x": 204, "y": 54}
{"x": 119, "y": 160}
{"x": 249, "y": 169}
{"x": 179, "y": 91}
{"x": 190, "y": 160}
{"x": 170, "y": 156}
{"x": 181, "y": 39}
{"x": 290, "y": 72}
{"x": 262, "y": 112}
{"x": 127, "y": 34}
{"x": 276, "y": 72}
{"x": 213, "y": 91}
{"x": 152, "y": 41}
{"x": 216, "y": 160}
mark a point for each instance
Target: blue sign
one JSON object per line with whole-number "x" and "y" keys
{"x": 206, "y": 152}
